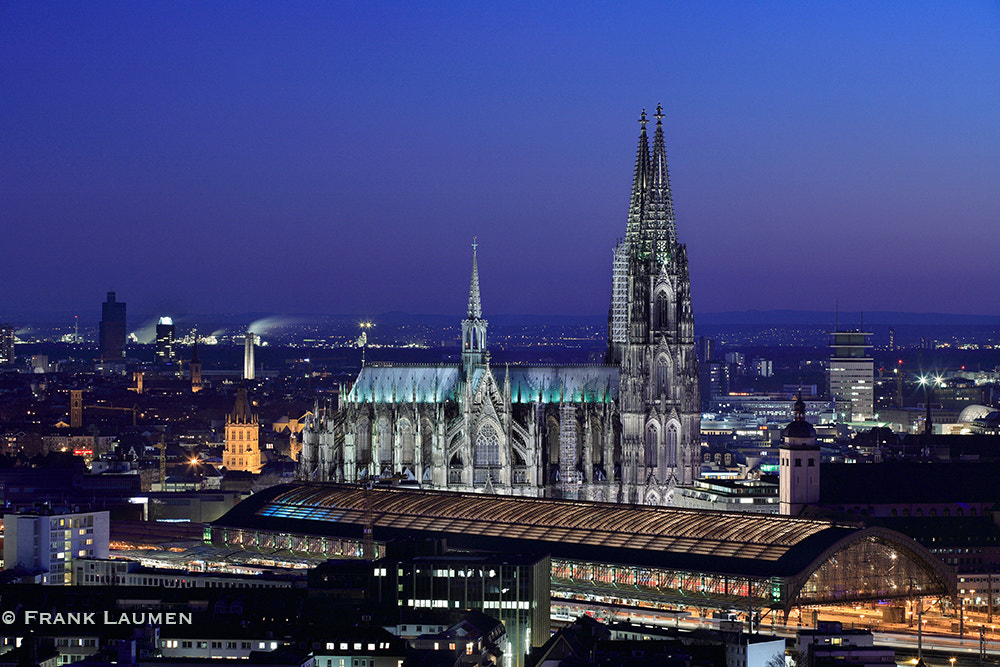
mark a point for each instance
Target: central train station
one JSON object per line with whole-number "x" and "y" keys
{"x": 623, "y": 554}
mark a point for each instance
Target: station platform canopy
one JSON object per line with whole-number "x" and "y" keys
{"x": 763, "y": 560}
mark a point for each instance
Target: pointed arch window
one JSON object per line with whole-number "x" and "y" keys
{"x": 651, "y": 433}
{"x": 487, "y": 447}
{"x": 384, "y": 442}
{"x": 662, "y": 377}
{"x": 364, "y": 442}
{"x": 406, "y": 447}
{"x": 596, "y": 442}
{"x": 672, "y": 444}
{"x": 552, "y": 440}
{"x": 661, "y": 311}
{"x": 426, "y": 441}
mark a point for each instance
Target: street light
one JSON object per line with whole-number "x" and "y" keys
{"x": 363, "y": 338}
{"x": 928, "y": 382}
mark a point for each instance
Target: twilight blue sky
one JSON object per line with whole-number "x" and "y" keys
{"x": 338, "y": 157}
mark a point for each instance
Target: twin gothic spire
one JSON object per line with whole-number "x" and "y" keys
{"x": 651, "y": 227}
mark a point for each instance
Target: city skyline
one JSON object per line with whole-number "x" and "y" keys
{"x": 339, "y": 159}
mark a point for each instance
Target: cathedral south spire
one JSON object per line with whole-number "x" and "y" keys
{"x": 474, "y": 326}
{"x": 661, "y": 218}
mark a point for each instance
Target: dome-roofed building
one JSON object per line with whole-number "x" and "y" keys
{"x": 974, "y": 412}
{"x": 981, "y": 420}
{"x": 799, "y": 431}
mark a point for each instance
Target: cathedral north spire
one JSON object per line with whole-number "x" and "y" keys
{"x": 640, "y": 186}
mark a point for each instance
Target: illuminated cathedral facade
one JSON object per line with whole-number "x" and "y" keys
{"x": 624, "y": 431}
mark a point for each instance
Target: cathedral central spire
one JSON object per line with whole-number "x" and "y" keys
{"x": 474, "y": 326}
{"x": 475, "y": 303}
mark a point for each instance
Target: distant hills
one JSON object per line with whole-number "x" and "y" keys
{"x": 845, "y": 319}
{"x": 826, "y": 319}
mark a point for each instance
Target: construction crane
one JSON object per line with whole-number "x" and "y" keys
{"x": 162, "y": 446}
{"x": 134, "y": 409}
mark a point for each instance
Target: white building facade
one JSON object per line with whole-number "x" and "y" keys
{"x": 49, "y": 540}
{"x": 852, "y": 373}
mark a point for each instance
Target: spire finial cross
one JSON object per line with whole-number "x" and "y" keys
{"x": 659, "y": 114}
{"x": 643, "y": 120}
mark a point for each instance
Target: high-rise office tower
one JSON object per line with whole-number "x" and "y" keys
{"x": 6, "y": 344}
{"x": 248, "y": 361}
{"x": 737, "y": 364}
{"x": 165, "y": 334}
{"x": 852, "y": 372}
{"x": 762, "y": 368}
{"x": 713, "y": 381}
{"x": 706, "y": 349}
{"x": 111, "y": 346}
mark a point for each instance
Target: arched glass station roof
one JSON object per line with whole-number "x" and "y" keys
{"x": 809, "y": 558}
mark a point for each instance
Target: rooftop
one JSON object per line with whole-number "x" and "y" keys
{"x": 724, "y": 542}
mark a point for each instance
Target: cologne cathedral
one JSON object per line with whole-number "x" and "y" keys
{"x": 625, "y": 431}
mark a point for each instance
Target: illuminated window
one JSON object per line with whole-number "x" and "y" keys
{"x": 487, "y": 447}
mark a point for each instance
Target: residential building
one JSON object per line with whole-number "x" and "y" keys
{"x": 50, "y": 538}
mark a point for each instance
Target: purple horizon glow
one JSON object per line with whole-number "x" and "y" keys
{"x": 339, "y": 157}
